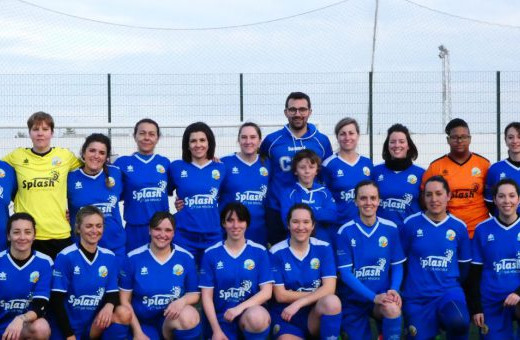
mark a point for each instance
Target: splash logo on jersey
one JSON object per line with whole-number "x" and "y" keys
{"x": 264, "y": 172}
{"x": 412, "y": 330}
{"x": 178, "y": 270}
{"x": 56, "y": 161}
{"x": 3, "y": 276}
{"x": 151, "y": 193}
{"x": 215, "y": 174}
{"x": 366, "y": 171}
{"x": 144, "y": 271}
{"x": 508, "y": 266}
{"x": 42, "y": 182}
{"x": 396, "y": 203}
{"x": 202, "y": 200}
{"x": 252, "y": 196}
{"x": 438, "y": 263}
{"x": 420, "y": 233}
{"x": 249, "y": 264}
{"x": 371, "y": 272}
{"x": 158, "y": 300}
{"x": 2, "y": 173}
{"x": 347, "y": 196}
{"x": 491, "y": 237}
{"x": 111, "y": 182}
{"x": 383, "y": 242}
{"x": 236, "y": 294}
{"x": 103, "y": 271}
{"x": 450, "y": 234}
{"x": 89, "y": 302}
{"x": 353, "y": 242}
{"x": 412, "y": 179}
{"x": 475, "y": 172}
{"x": 160, "y": 169}
{"x": 34, "y": 277}
{"x": 15, "y": 304}
{"x": 106, "y": 208}
{"x": 315, "y": 263}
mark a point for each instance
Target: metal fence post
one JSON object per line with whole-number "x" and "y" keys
{"x": 498, "y": 117}
{"x": 241, "y": 97}
{"x": 370, "y": 115}
{"x": 109, "y": 103}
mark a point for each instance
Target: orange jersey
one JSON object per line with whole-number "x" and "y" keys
{"x": 466, "y": 185}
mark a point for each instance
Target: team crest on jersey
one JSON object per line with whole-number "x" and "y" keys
{"x": 3, "y": 276}
{"x": 412, "y": 330}
{"x": 420, "y": 233}
{"x": 383, "y": 242}
{"x": 2, "y": 173}
{"x": 178, "y": 270}
{"x": 249, "y": 264}
{"x": 111, "y": 182}
{"x": 215, "y": 174}
{"x": 56, "y": 161}
{"x": 450, "y": 234}
{"x": 76, "y": 270}
{"x": 34, "y": 277}
{"x": 412, "y": 179}
{"x": 315, "y": 263}
{"x": 476, "y": 172}
{"x": 366, "y": 171}
{"x": 144, "y": 271}
{"x": 103, "y": 271}
{"x": 235, "y": 170}
{"x": 340, "y": 173}
{"x": 130, "y": 168}
{"x": 380, "y": 178}
{"x": 220, "y": 265}
{"x": 353, "y": 242}
{"x": 78, "y": 185}
{"x": 184, "y": 174}
{"x": 288, "y": 267}
{"x": 263, "y": 171}
{"x": 491, "y": 237}
{"x": 160, "y": 169}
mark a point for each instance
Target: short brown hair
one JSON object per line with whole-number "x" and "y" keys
{"x": 40, "y": 117}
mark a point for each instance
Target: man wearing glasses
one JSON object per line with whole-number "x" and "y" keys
{"x": 465, "y": 172}
{"x": 280, "y": 147}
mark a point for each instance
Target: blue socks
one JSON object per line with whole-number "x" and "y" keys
{"x": 392, "y": 328}
{"x": 330, "y": 326}
{"x": 116, "y": 331}
{"x": 188, "y": 334}
{"x": 256, "y": 336}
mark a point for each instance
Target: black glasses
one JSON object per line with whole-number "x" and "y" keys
{"x": 292, "y": 110}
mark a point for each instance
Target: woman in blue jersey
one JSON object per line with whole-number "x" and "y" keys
{"x": 159, "y": 285}
{"x": 305, "y": 281}
{"x": 236, "y": 281}
{"x": 145, "y": 180}
{"x": 85, "y": 296}
{"x": 306, "y": 165}
{"x": 197, "y": 180}
{"x": 507, "y": 168}
{"x": 25, "y": 283}
{"x": 346, "y": 168}
{"x": 495, "y": 270}
{"x": 438, "y": 250}
{"x": 399, "y": 180}
{"x": 100, "y": 185}
{"x": 370, "y": 261}
{"x": 247, "y": 176}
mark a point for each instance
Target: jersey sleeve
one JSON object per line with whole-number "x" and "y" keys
{"x": 328, "y": 212}
{"x": 476, "y": 248}
{"x": 126, "y": 275}
{"x": 9, "y": 158}
{"x": 112, "y": 275}
{"x": 43, "y": 285}
{"x": 404, "y": 237}
{"x": 264, "y": 147}
{"x": 464, "y": 246}
{"x": 207, "y": 276}
{"x": 192, "y": 284}
{"x": 74, "y": 162}
{"x": 427, "y": 174}
{"x": 490, "y": 183}
{"x": 285, "y": 205}
{"x": 343, "y": 251}
{"x": 328, "y": 264}
{"x": 61, "y": 274}
{"x": 265, "y": 274}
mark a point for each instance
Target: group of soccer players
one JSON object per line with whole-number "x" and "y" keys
{"x": 348, "y": 241}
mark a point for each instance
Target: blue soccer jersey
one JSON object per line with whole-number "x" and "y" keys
{"x": 84, "y": 283}
{"x": 280, "y": 147}
{"x": 434, "y": 251}
{"x": 83, "y": 190}
{"x": 145, "y": 186}
{"x": 247, "y": 183}
{"x": 19, "y": 285}
{"x": 7, "y": 192}
{"x": 369, "y": 252}
{"x": 198, "y": 187}
{"x": 341, "y": 177}
{"x": 399, "y": 190}
{"x": 497, "y": 171}
{"x": 318, "y": 198}
{"x": 154, "y": 284}
{"x": 234, "y": 278}
{"x": 497, "y": 248}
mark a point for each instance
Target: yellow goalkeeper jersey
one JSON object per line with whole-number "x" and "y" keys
{"x": 42, "y": 188}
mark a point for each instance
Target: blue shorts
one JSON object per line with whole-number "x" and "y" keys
{"x": 298, "y": 326}
{"x": 152, "y": 327}
{"x": 231, "y": 329}
{"x": 196, "y": 243}
{"x": 499, "y": 319}
{"x": 356, "y": 319}
{"x": 421, "y": 315}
